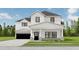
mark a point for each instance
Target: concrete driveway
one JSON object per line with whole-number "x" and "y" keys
{"x": 16, "y": 42}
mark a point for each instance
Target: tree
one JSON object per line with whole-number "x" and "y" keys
{"x": 0, "y": 30}
{"x": 8, "y": 30}
{"x": 13, "y": 30}
{"x": 68, "y": 31}
{"x": 64, "y": 32}
{"x": 5, "y": 30}
{"x": 77, "y": 27}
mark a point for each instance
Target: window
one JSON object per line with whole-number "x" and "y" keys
{"x": 37, "y": 19}
{"x": 24, "y": 24}
{"x": 54, "y": 34}
{"x": 52, "y": 19}
{"x": 46, "y": 35}
{"x": 36, "y": 33}
{"x": 50, "y": 34}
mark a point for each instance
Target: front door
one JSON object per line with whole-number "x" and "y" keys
{"x": 36, "y": 35}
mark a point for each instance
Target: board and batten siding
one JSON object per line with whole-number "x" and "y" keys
{"x": 19, "y": 25}
{"x": 42, "y": 33}
{"x": 57, "y": 19}
{"x": 37, "y": 15}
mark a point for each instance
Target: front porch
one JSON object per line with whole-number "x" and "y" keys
{"x": 43, "y": 34}
{"x": 46, "y": 30}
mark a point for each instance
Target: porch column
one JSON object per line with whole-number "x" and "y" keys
{"x": 62, "y": 35}
{"x": 40, "y": 35}
{"x": 32, "y": 36}
{"x": 58, "y": 34}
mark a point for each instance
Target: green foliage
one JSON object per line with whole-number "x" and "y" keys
{"x": 68, "y": 41}
{"x": 73, "y": 31}
{"x": 0, "y": 30}
{"x": 68, "y": 31}
{"x": 6, "y": 38}
{"x": 77, "y": 27}
{"x": 13, "y": 31}
{"x": 7, "y": 30}
{"x": 64, "y": 32}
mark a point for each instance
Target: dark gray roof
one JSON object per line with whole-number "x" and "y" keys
{"x": 19, "y": 20}
{"x": 44, "y": 12}
{"x": 28, "y": 19}
{"x": 49, "y": 13}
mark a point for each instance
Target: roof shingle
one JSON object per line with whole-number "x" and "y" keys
{"x": 28, "y": 19}
{"x": 49, "y": 13}
{"x": 44, "y": 12}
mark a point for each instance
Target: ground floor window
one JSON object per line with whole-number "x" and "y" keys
{"x": 36, "y": 33}
{"x": 50, "y": 34}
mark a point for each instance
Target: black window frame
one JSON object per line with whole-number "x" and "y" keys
{"x": 24, "y": 24}
{"x": 50, "y": 34}
{"x": 52, "y": 19}
{"x": 47, "y": 34}
{"x": 37, "y": 19}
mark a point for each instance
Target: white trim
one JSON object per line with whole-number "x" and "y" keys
{"x": 45, "y": 22}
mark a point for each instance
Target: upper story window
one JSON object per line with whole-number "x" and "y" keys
{"x": 37, "y": 19}
{"x": 52, "y": 19}
{"x": 24, "y": 24}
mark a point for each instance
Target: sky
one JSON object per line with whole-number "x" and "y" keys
{"x": 11, "y": 15}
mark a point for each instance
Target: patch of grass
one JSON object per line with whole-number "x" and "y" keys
{"x": 6, "y": 38}
{"x": 68, "y": 41}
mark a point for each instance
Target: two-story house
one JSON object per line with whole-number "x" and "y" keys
{"x": 40, "y": 26}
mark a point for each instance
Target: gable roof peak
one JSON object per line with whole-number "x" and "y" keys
{"x": 28, "y": 19}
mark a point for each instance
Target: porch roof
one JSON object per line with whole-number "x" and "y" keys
{"x": 46, "y": 25}
{"x": 23, "y": 31}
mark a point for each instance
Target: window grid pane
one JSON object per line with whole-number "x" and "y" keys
{"x": 52, "y": 19}
{"x": 46, "y": 34}
{"x": 37, "y": 19}
{"x": 50, "y": 34}
{"x": 24, "y": 24}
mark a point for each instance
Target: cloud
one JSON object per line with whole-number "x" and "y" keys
{"x": 5, "y": 16}
{"x": 17, "y": 16}
{"x": 71, "y": 12}
{"x": 73, "y": 17}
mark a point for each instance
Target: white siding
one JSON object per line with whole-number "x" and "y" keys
{"x": 46, "y": 25}
{"x": 42, "y": 19}
{"x": 19, "y": 25}
{"x": 42, "y": 33}
{"x": 43, "y": 26}
{"x": 57, "y": 19}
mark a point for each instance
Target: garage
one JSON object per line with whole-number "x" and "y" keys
{"x": 22, "y": 36}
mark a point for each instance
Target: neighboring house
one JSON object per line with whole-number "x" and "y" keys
{"x": 40, "y": 26}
